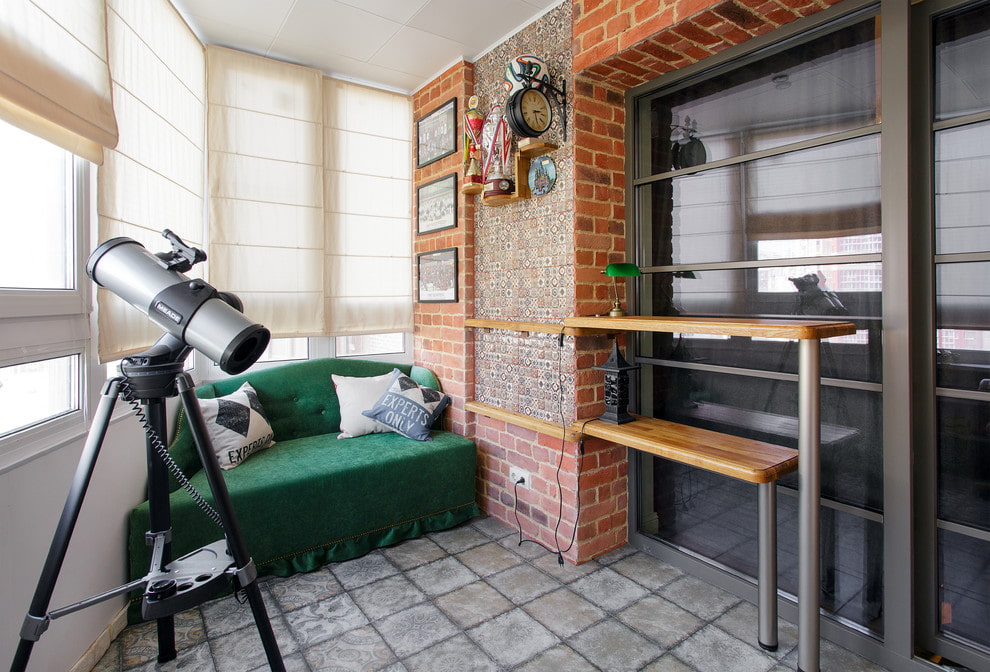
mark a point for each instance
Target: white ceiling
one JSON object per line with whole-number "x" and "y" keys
{"x": 396, "y": 44}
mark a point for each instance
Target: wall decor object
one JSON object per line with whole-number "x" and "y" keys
{"x": 437, "y": 272}
{"x": 436, "y": 134}
{"x": 436, "y": 205}
{"x": 542, "y": 175}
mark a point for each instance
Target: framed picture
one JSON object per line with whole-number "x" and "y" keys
{"x": 436, "y": 205}
{"x": 436, "y": 134}
{"x": 437, "y": 276}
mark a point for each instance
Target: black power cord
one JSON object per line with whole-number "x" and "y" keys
{"x": 559, "y": 552}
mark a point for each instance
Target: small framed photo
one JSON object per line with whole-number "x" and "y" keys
{"x": 436, "y": 134}
{"x": 436, "y": 205}
{"x": 437, "y": 273}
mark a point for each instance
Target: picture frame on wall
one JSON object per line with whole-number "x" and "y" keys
{"x": 436, "y": 134}
{"x": 437, "y": 276}
{"x": 436, "y": 205}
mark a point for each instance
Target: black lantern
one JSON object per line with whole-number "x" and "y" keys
{"x": 616, "y": 370}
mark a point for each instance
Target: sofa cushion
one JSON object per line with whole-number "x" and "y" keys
{"x": 409, "y": 408}
{"x": 357, "y": 394}
{"x": 237, "y": 426}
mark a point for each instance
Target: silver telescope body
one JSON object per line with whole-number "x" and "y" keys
{"x": 190, "y": 309}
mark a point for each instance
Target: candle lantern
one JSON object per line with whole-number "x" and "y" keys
{"x": 616, "y": 370}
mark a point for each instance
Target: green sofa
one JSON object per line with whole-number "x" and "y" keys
{"x": 312, "y": 499}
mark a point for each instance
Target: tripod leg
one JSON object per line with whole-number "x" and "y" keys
{"x": 36, "y": 621}
{"x": 160, "y": 517}
{"x": 235, "y": 542}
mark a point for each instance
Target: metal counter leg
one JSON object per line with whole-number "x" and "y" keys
{"x": 767, "y": 576}
{"x": 809, "y": 491}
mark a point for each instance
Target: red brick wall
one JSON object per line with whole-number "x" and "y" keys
{"x": 441, "y": 342}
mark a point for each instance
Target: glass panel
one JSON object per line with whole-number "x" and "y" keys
{"x": 36, "y": 213}
{"x": 962, "y": 62}
{"x": 964, "y": 461}
{"x": 716, "y": 517}
{"x": 963, "y": 321}
{"x": 373, "y": 344}
{"x": 962, "y": 195}
{"x": 766, "y": 410}
{"x": 37, "y": 391}
{"x": 810, "y": 90}
{"x": 848, "y": 290}
{"x": 964, "y": 579}
{"x": 823, "y": 201}
{"x": 284, "y": 349}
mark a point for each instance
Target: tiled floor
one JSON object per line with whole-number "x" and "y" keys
{"x": 471, "y": 599}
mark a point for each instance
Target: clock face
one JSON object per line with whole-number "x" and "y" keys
{"x": 535, "y": 110}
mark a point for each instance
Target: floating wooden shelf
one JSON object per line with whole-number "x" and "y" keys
{"x": 522, "y": 420}
{"x": 721, "y": 326}
{"x": 530, "y": 327}
{"x": 524, "y": 155}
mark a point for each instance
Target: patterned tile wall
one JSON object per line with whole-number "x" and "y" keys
{"x": 524, "y": 251}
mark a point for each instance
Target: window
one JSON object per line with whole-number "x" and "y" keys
{"x": 778, "y": 216}
{"x": 44, "y": 329}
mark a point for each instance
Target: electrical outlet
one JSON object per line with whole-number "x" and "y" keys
{"x": 515, "y": 474}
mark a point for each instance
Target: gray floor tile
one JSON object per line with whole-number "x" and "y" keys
{"x": 564, "y": 612}
{"x": 459, "y": 538}
{"x": 616, "y": 555}
{"x": 669, "y": 663}
{"x": 196, "y": 659}
{"x": 742, "y": 622}
{"x": 441, "y": 576}
{"x": 609, "y": 589}
{"x": 457, "y": 654}
{"x": 528, "y": 550}
{"x": 558, "y": 659}
{"x": 522, "y": 583}
{"x": 492, "y": 527}
{"x": 488, "y": 559}
{"x": 388, "y": 596}
{"x": 242, "y": 650}
{"x": 513, "y": 638}
{"x": 710, "y": 648}
{"x": 321, "y": 621}
{"x": 294, "y": 663}
{"x": 414, "y": 552}
{"x": 702, "y": 599}
{"x": 139, "y": 643}
{"x": 646, "y": 570}
{"x": 228, "y": 614}
{"x": 302, "y": 589}
{"x": 473, "y": 604}
{"x": 567, "y": 573}
{"x": 360, "y": 650}
{"x": 415, "y": 629}
{"x": 661, "y": 621}
{"x": 612, "y": 647}
{"x": 364, "y": 570}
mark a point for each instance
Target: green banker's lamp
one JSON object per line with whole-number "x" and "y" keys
{"x": 621, "y": 270}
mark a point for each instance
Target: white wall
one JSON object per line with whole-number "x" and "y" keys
{"x": 31, "y": 499}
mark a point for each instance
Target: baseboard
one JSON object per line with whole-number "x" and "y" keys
{"x": 98, "y": 648}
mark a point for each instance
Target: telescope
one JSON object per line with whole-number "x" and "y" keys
{"x": 189, "y": 309}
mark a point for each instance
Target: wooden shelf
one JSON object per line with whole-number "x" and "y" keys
{"x": 522, "y": 420}
{"x": 745, "y": 459}
{"x": 721, "y": 326}
{"x": 524, "y": 155}
{"x": 529, "y": 327}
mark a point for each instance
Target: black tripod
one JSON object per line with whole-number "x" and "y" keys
{"x": 170, "y": 586}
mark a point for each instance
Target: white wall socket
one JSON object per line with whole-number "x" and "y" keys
{"x": 515, "y": 474}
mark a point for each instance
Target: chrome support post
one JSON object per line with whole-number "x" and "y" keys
{"x": 767, "y": 573}
{"x": 809, "y": 492}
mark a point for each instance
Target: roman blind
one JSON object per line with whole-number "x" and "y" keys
{"x": 368, "y": 198}
{"x": 265, "y": 170}
{"x": 154, "y": 179}
{"x": 54, "y": 80}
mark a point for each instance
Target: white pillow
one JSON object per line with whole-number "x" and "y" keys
{"x": 358, "y": 394}
{"x": 237, "y": 426}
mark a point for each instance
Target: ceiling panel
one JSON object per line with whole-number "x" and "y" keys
{"x": 317, "y": 26}
{"x": 400, "y": 12}
{"x": 418, "y": 52}
{"x": 484, "y": 24}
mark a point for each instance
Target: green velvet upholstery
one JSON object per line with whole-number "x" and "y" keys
{"x": 312, "y": 499}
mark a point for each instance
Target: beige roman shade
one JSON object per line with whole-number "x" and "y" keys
{"x": 54, "y": 80}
